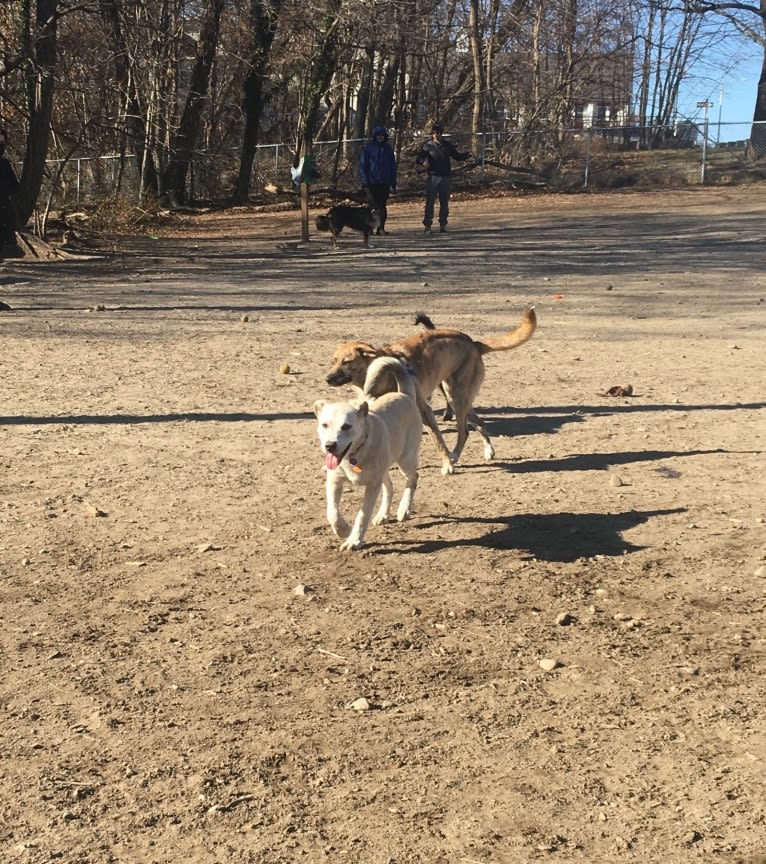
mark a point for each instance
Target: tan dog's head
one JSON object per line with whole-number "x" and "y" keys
{"x": 340, "y": 425}
{"x": 350, "y": 362}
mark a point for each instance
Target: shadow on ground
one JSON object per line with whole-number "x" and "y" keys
{"x": 561, "y": 537}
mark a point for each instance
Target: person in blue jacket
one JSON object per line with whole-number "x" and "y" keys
{"x": 377, "y": 173}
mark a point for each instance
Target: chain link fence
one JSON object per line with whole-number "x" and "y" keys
{"x": 686, "y": 154}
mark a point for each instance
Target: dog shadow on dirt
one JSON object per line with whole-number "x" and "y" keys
{"x": 510, "y": 422}
{"x": 540, "y": 417}
{"x": 556, "y": 537}
{"x": 594, "y": 461}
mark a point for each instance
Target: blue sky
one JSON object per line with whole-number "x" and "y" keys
{"x": 732, "y": 74}
{"x": 737, "y": 87}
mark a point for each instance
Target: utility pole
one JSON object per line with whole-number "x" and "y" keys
{"x": 720, "y": 106}
{"x": 706, "y": 104}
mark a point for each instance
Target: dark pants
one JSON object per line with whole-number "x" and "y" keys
{"x": 437, "y": 187}
{"x": 377, "y": 197}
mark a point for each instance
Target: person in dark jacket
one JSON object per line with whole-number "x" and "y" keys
{"x": 377, "y": 173}
{"x": 435, "y": 156}
{"x": 8, "y": 186}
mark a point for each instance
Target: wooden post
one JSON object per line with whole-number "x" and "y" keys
{"x": 305, "y": 212}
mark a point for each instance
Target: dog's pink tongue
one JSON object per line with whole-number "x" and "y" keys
{"x": 331, "y": 461}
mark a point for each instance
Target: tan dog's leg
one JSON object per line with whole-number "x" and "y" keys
{"x": 462, "y": 416}
{"x": 478, "y": 425}
{"x": 462, "y": 407}
{"x": 462, "y": 435}
{"x": 461, "y": 391}
{"x": 436, "y": 436}
{"x": 410, "y": 470}
{"x": 489, "y": 450}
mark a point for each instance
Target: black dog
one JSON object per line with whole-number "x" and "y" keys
{"x": 363, "y": 219}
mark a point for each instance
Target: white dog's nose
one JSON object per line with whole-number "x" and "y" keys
{"x": 331, "y": 446}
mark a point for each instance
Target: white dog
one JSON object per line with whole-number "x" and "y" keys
{"x": 362, "y": 441}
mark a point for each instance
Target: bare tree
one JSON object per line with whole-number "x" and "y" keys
{"x": 264, "y": 16}
{"x": 129, "y": 117}
{"x": 38, "y": 36}
{"x": 478, "y": 67}
{"x": 185, "y": 136}
{"x": 319, "y": 74}
{"x": 671, "y": 41}
{"x": 171, "y": 83}
{"x": 750, "y": 19}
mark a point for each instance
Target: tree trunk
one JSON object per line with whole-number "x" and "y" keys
{"x": 40, "y": 82}
{"x": 385, "y": 103}
{"x": 185, "y": 138}
{"x": 757, "y": 147}
{"x": 565, "y": 108}
{"x": 263, "y": 20}
{"x": 474, "y": 32}
{"x": 320, "y": 76}
{"x": 130, "y": 109}
{"x": 359, "y": 127}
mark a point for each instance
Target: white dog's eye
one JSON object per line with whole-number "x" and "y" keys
{"x": 345, "y": 427}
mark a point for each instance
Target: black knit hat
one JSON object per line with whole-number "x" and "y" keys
{"x": 437, "y": 127}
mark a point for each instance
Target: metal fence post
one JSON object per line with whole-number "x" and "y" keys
{"x": 276, "y": 164}
{"x": 706, "y": 104}
{"x": 589, "y": 141}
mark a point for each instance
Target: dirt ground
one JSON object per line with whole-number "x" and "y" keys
{"x": 181, "y": 641}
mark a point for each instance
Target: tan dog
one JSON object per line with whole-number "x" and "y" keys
{"x": 361, "y": 442}
{"x": 440, "y": 356}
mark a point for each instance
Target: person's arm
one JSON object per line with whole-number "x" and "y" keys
{"x": 456, "y": 154}
{"x": 364, "y": 171}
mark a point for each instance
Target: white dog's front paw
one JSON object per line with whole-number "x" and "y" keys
{"x": 447, "y": 468}
{"x": 351, "y": 545}
{"x": 380, "y": 519}
{"x": 489, "y": 452}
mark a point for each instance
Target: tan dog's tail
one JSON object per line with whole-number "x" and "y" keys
{"x": 512, "y": 339}
{"x": 380, "y": 374}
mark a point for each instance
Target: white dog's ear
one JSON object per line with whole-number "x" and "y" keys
{"x": 363, "y": 409}
{"x": 318, "y": 405}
